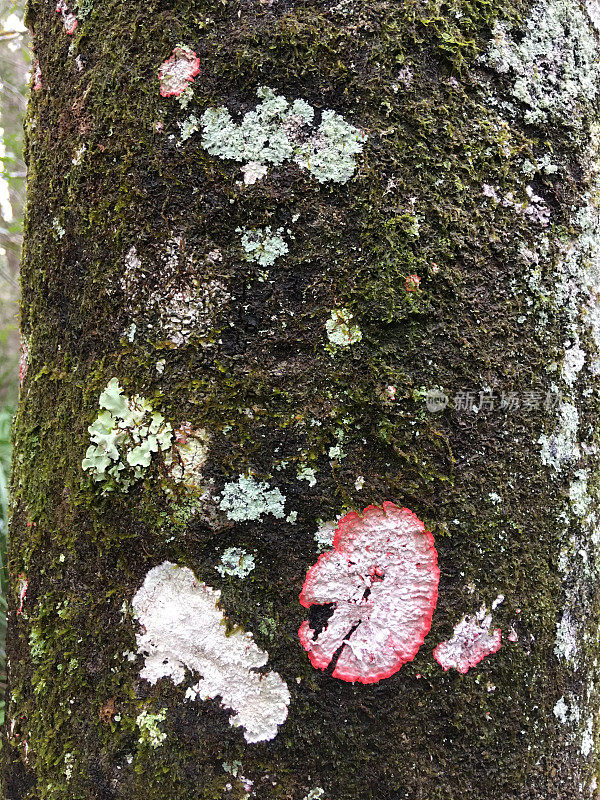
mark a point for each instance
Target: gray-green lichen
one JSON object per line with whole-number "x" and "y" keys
{"x": 554, "y": 66}
{"x": 248, "y": 499}
{"x": 237, "y": 562}
{"x": 148, "y": 723}
{"x": 263, "y": 246}
{"x": 276, "y": 132}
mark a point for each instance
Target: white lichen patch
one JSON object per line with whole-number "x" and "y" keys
{"x": 472, "y": 640}
{"x": 253, "y": 171}
{"x": 573, "y": 362}
{"x": 236, "y": 562}
{"x": 178, "y": 71}
{"x": 277, "y": 131}
{"x": 315, "y": 794}
{"x": 554, "y": 66}
{"x": 181, "y": 304}
{"x": 148, "y": 724}
{"x": 562, "y": 446}
{"x": 248, "y": 499}
{"x": 587, "y": 739}
{"x": 578, "y": 493}
{"x": 561, "y": 711}
{"x": 182, "y": 628}
{"x": 68, "y": 17}
{"x": 186, "y": 312}
{"x": 262, "y": 246}
{"x": 566, "y": 645}
{"x": 340, "y": 330}
{"x": 124, "y": 436}
{"x": 532, "y": 206}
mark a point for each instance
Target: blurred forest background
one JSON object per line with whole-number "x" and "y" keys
{"x": 15, "y": 65}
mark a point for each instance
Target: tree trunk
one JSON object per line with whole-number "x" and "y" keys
{"x": 285, "y": 261}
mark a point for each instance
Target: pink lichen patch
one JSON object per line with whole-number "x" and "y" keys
{"x": 412, "y": 283}
{"x": 37, "y": 76}
{"x": 69, "y": 19}
{"x": 23, "y": 584}
{"x": 472, "y": 641}
{"x": 382, "y": 576}
{"x": 178, "y": 71}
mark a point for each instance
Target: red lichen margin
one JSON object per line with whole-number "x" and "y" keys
{"x": 23, "y": 585}
{"x": 69, "y": 19}
{"x": 471, "y": 642}
{"x": 382, "y": 575}
{"x": 178, "y": 71}
{"x": 37, "y": 76}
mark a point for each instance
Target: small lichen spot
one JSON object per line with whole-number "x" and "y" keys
{"x": 340, "y": 330}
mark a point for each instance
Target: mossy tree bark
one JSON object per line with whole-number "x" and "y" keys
{"x": 288, "y": 325}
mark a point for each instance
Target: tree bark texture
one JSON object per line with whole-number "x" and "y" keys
{"x": 265, "y": 242}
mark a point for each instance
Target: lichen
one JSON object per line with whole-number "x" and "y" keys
{"x": 248, "y": 499}
{"x": 340, "y": 330}
{"x": 237, "y": 562}
{"x": 276, "y": 132}
{"x": 554, "y": 67}
{"x": 183, "y": 629}
{"x": 148, "y": 724}
{"x": 263, "y": 246}
{"x": 124, "y": 437}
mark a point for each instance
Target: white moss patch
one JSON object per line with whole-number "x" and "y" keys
{"x": 247, "y": 499}
{"x": 237, "y": 562}
{"x": 263, "y": 246}
{"x": 124, "y": 437}
{"x": 182, "y": 629}
{"x": 340, "y": 330}
{"x": 554, "y": 66}
{"x": 277, "y": 131}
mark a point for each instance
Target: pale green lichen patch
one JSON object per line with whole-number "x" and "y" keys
{"x": 237, "y": 562}
{"x": 124, "y": 436}
{"x": 262, "y": 246}
{"x": 150, "y": 733}
{"x": 307, "y": 474}
{"x": 277, "y": 131}
{"x": 340, "y": 330}
{"x": 315, "y": 794}
{"x": 554, "y": 65}
{"x": 248, "y": 499}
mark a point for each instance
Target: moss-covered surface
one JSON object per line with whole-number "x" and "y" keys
{"x": 262, "y": 382}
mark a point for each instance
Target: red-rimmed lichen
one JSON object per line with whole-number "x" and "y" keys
{"x": 69, "y": 19}
{"x": 382, "y": 576}
{"x": 178, "y": 71}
